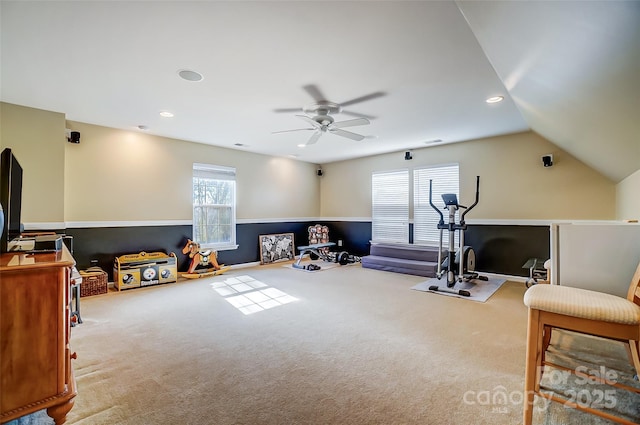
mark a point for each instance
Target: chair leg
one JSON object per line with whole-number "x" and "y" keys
{"x": 633, "y": 349}
{"x": 533, "y": 362}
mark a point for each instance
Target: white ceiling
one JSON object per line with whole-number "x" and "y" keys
{"x": 567, "y": 70}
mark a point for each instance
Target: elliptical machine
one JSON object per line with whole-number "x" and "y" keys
{"x": 462, "y": 260}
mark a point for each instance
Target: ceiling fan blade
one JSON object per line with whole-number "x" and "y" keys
{"x": 350, "y": 123}
{"x": 288, "y": 131}
{"x": 358, "y": 114}
{"x": 310, "y": 121}
{"x": 347, "y": 134}
{"x": 288, "y": 110}
{"x": 314, "y": 138}
{"x": 315, "y": 93}
{"x": 363, "y": 98}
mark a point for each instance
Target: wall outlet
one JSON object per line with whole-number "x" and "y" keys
{"x": 339, "y": 242}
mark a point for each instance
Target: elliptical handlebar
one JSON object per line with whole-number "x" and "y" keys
{"x": 433, "y": 206}
{"x": 474, "y": 204}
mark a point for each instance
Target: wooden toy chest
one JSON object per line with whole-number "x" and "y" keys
{"x": 144, "y": 269}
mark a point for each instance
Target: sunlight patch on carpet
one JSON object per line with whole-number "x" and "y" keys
{"x": 250, "y": 295}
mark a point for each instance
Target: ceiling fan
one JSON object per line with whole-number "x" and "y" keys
{"x": 322, "y": 122}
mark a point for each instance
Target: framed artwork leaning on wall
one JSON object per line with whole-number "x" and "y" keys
{"x": 276, "y": 247}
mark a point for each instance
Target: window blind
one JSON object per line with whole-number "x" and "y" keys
{"x": 390, "y": 206}
{"x": 425, "y": 220}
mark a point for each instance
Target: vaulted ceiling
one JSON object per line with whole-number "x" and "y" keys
{"x": 418, "y": 71}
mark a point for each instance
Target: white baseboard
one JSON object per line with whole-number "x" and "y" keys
{"x": 245, "y": 265}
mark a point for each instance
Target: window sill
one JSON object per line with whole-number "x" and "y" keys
{"x": 219, "y": 247}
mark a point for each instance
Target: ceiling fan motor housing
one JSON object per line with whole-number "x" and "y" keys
{"x": 322, "y": 108}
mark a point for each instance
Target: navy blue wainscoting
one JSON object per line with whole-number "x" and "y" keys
{"x": 501, "y": 249}
{"x": 504, "y": 249}
{"x": 105, "y": 243}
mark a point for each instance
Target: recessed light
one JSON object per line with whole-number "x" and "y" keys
{"x": 189, "y": 75}
{"x": 239, "y": 144}
{"x": 166, "y": 114}
{"x": 495, "y": 99}
{"x": 143, "y": 127}
{"x": 431, "y": 142}
{"x": 302, "y": 145}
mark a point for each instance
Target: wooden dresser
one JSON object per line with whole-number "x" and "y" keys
{"x": 35, "y": 357}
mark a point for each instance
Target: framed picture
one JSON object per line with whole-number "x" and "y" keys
{"x": 278, "y": 247}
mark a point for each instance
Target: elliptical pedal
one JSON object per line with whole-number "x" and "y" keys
{"x": 461, "y": 292}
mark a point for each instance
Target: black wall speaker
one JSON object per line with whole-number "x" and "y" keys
{"x": 74, "y": 137}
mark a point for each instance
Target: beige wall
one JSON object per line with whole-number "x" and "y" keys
{"x": 117, "y": 175}
{"x": 513, "y": 182}
{"x": 628, "y": 198}
{"x": 38, "y": 140}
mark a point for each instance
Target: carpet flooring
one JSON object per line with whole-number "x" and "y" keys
{"x": 348, "y": 346}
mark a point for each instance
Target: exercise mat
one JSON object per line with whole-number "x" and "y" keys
{"x": 480, "y": 290}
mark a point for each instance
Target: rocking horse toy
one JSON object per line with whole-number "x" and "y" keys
{"x": 203, "y": 263}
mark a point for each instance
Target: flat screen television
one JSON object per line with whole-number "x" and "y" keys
{"x": 10, "y": 197}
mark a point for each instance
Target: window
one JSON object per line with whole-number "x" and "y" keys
{"x": 425, "y": 219}
{"x": 390, "y": 206}
{"x": 214, "y": 206}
